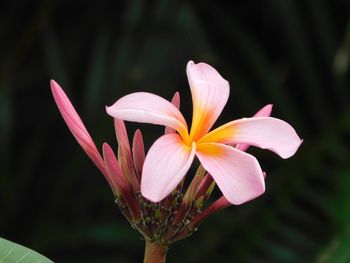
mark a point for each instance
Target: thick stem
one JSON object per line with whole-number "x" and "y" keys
{"x": 155, "y": 252}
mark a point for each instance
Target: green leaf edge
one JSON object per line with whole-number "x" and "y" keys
{"x": 11, "y": 252}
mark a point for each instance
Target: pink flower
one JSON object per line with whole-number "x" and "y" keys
{"x": 237, "y": 174}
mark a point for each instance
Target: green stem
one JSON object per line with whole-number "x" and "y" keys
{"x": 155, "y": 252}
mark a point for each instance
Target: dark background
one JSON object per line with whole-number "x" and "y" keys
{"x": 294, "y": 54}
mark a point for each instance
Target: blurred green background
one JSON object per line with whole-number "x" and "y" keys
{"x": 294, "y": 54}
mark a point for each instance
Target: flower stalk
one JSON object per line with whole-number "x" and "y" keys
{"x": 155, "y": 252}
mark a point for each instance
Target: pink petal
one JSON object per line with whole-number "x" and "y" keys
{"x": 114, "y": 176}
{"x": 166, "y": 163}
{"x": 148, "y": 108}
{"x": 264, "y": 112}
{"x": 176, "y": 102}
{"x": 75, "y": 125}
{"x": 237, "y": 174}
{"x": 210, "y": 93}
{"x": 264, "y": 132}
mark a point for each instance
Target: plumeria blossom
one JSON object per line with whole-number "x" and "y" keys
{"x": 159, "y": 174}
{"x": 220, "y": 151}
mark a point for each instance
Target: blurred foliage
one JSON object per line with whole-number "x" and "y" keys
{"x": 294, "y": 54}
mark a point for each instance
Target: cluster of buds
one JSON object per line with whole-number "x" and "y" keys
{"x": 172, "y": 219}
{"x": 169, "y": 220}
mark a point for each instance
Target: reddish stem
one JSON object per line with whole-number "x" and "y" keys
{"x": 218, "y": 205}
{"x": 155, "y": 252}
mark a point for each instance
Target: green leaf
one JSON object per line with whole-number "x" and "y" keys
{"x": 11, "y": 252}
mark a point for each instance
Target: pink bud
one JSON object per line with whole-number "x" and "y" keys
{"x": 124, "y": 154}
{"x": 114, "y": 174}
{"x": 75, "y": 125}
{"x": 138, "y": 151}
{"x": 122, "y": 135}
